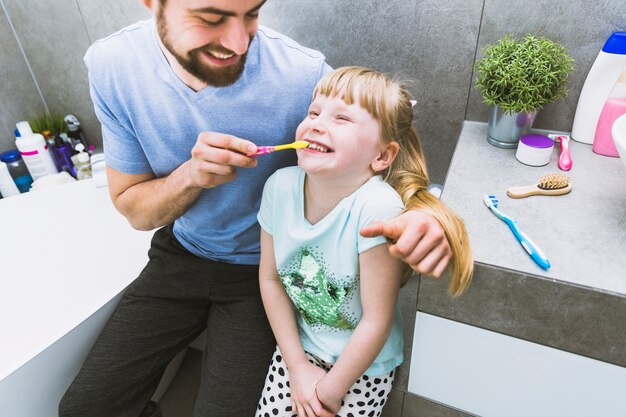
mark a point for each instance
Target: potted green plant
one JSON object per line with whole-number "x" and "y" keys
{"x": 516, "y": 78}
{"x": 48, "y": 124}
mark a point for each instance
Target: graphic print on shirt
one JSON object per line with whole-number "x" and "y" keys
{"x": 316, "y": 294}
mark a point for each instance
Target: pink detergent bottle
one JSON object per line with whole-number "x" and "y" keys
{"x": 614, "y": 107}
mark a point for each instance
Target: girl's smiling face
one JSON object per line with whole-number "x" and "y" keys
{"x": 344, "y": 140}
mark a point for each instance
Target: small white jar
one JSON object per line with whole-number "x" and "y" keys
{"x": 534, "y": 150}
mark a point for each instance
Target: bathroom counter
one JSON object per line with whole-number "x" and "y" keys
{"x": 523, "y": 340}
{"x": 583, "y": 233}
{"x": 67, "y": 254}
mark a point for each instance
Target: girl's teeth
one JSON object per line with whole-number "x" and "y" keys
{"x": 317, "y": 147}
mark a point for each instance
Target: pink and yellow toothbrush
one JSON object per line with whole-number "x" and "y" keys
{"x": 262, "y": 150}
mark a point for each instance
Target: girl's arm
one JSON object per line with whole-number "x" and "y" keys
{"x": 302, "y": 374}
{"x": 381, "y": 276}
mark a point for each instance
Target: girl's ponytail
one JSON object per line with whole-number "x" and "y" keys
{"x": 409, "y": 176}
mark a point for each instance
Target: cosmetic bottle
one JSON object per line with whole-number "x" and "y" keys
{"x": 35, "y": 152}
{"x": 63, "y": 155}
{"x": 22, "y": 129}
{"x": 614, "y": 107}
{"x": 17, "y": 169}
{"x": 74, "y": 132}
{"x": 83, "y": 167}
{"x": 601, "y": 78}
{"x": 7, "y": 185}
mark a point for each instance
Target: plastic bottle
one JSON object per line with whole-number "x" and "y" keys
{"x": 63, "y": 155}
{"x": 74, "y": 132}
{"x": 35, "y": 152}
{"x": 618, "y": 131}
{"x": 17, "y": 169}
{"x": 22, "y": 129}
{"x": 7, "y": 185}
{"x": 598, "y": 84}
{"x": 83, "y": 167}
{"x": 614, "y": 107}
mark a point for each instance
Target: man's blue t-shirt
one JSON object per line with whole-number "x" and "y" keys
{"x": 151, "y": 120}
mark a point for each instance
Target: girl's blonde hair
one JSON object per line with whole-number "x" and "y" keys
{"x": 389, "y": 102}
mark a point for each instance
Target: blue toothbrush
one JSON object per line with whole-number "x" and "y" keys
{"x": 531, "y": 247}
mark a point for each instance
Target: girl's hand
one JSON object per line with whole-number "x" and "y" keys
{"x": 303, "y": 379}
{"x": 329, "y": 396}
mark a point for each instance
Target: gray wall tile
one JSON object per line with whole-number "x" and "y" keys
{"x": 103, "y": 18}
{"x": 54, "y": 38}
{"x": 581, "y": 26}
{"x": 427, "y": 45}
{"x": 19, "y": 98}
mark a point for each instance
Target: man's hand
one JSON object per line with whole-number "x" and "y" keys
{"x": 215, "y": 156}
{"x": 417, "y": 239}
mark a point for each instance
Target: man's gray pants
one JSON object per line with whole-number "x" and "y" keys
{"x": 173, "y": 300}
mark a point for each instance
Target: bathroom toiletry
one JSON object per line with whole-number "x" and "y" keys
{"x": 549, "y": 184}
{"x": 83, "y": 167}
{"x": 262, "y": 150}
{"x": 534, "y": 150}
{"x": 7, "y": 185}
{"x": 601, "y": 78}
{"x": 614, "y": 107}
{"x": 22, "y": 129}
{"x": 63, "y": 154}
{"x": 98, "y": 169}
{"x": 529, "y": 246}
{"x": 17, "y": 169}
{"x": 74, "y": 132}
{"x": 619, "y": 136}
{"x": 35, "y": 153}
{"x": 565, "y": 159}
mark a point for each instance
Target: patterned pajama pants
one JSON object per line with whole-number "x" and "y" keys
{"x": 365, "y": 398}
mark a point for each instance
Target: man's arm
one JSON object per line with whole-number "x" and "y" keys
{"x": 149, "y": 202}
{"x": 417, "y": 238}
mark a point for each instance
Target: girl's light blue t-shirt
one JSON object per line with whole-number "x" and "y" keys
{"x": 151, "y": 120}
{"x": 319, "y": 263}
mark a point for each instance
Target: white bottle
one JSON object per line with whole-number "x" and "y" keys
{"x": 7, "y": 185}
{"x": 598, "y": 84}
{"x": 35, "y": 152}
{"x": 83, "y": 167}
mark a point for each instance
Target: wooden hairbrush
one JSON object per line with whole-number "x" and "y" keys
{"x": 549, "y": 184}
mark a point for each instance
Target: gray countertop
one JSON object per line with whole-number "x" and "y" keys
{"x": 583, "y": 233}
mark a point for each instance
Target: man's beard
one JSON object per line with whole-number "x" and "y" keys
{"x": 192, "y": 63}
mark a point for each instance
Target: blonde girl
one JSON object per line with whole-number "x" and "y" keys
{"x": 330, "y": 294}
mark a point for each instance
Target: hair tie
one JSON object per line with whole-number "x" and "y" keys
{"x": 413, "y": 102}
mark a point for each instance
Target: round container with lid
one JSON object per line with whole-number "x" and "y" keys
{"x": 17, "y": 169}
{"x": 534, "y": 150}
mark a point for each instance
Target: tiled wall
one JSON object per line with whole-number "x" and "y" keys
{"x": 430, "y": 44}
